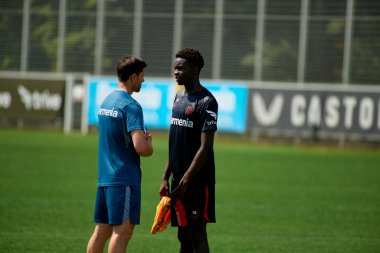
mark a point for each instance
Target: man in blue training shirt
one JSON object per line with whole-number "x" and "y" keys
{"x": 122, "y": 140}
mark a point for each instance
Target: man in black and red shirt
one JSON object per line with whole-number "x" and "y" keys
{"x": 191, "y": 157}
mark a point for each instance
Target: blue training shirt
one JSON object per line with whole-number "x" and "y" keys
{"x": 118, "y": 163}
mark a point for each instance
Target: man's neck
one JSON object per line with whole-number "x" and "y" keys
{"x": 125, "y": 86}
{"x": 193, "y": 87}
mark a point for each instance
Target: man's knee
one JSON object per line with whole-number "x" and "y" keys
{"x": 194, "y": 233}
{"x": 122, "y": 236}
{"x": 124, "y": 231}
{"x": 184, "y": 236}
{"x": 102, "y": 232}
{"x": 98, "y": 239}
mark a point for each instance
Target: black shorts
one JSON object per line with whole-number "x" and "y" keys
{"x": 199, "y": 203}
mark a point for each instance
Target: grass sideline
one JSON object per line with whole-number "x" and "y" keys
{"x": 269, "y": 198}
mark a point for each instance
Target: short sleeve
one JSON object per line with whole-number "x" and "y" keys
{"x": 210, "y": 116}
{"x": 134, "y": 117}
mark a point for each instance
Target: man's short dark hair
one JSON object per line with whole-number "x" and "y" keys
{"x": 192, "y": 55}
{"x": 129, "y": 65}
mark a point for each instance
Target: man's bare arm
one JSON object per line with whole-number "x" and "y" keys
{"x": 142, "y": 141}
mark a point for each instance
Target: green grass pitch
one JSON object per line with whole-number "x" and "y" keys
{"x": 269, "y": 198}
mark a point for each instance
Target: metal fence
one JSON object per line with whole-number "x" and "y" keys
{"x": 303, "y": 41}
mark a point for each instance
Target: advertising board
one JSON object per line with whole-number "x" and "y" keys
{"x": 306, "y": 112}
{"x": 157, "y": 95}
{"x": 32, "y": 99}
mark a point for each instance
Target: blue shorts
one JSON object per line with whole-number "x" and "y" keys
{"x": 116, "y": 204}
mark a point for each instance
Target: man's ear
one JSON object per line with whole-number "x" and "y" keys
{"x": 133, "y": 77}
{"x": 194, "y": 69}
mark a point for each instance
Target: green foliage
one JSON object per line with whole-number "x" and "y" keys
{"x": 45, "y": 34}
{"x": 10, "y": 41}
{"x": 269, "y": 198}
{"x": 325, "y": 41}
{"x": 365, "y": 53}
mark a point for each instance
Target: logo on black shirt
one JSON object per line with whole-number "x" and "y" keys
{"x": 189, "y": 110}
{"x": 182, "y": 122}
{"x": 212, "y": 114}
